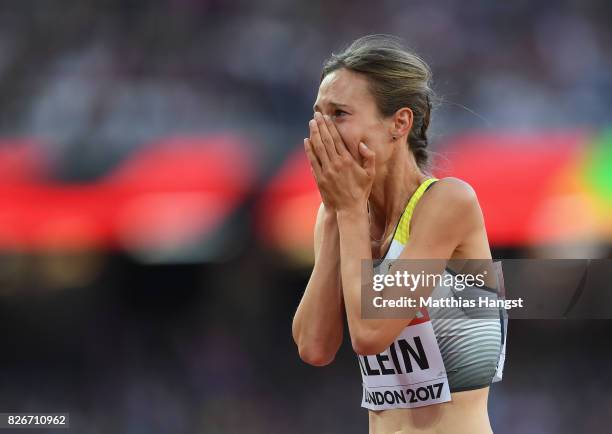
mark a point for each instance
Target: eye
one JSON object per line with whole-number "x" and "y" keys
{"x": 339, "y": 113}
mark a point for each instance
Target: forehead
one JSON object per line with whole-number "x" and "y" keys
{"x": 344, "y": 87}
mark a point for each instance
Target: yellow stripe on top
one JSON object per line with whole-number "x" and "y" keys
{"x": 403, "y": 230}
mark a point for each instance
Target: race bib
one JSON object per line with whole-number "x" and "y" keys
{"x": 410, "y": 373}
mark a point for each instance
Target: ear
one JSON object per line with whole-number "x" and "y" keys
{"x": 402, "y": 122}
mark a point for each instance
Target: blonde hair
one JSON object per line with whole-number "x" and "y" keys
{"x": 397, "y": 78}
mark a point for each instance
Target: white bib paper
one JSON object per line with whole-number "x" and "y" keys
{"x": 410, "y": 373}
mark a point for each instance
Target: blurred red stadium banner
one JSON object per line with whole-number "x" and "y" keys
{"x": 534, "y": 188}
{"x": 166, "y": 194}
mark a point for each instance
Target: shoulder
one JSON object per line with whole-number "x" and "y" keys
{"x": 444, "y": 217}
{"x": 453, "y": 190}
{"x": 450, "y": 203}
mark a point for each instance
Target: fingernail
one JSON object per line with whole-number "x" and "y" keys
{"x": 327, "y": 118}
{"x": 312, "y": 122}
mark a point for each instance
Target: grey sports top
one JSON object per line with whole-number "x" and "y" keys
{"x": 471, "y": 343}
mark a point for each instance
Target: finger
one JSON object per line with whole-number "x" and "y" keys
{"x": 317, "y": 144}
{"x": 337, "y": 139}
{"x": 369, "y": 158}
{"x": 312, "y": 158}
{"x": 326, "y": 137}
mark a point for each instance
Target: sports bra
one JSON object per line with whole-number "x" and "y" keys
{"x": 472, "y": 349}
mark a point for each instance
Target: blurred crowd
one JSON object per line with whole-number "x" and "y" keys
{"x": 96, "y": 79}
{"x": 202, "y": 349}
{"x": 206, "y": 347}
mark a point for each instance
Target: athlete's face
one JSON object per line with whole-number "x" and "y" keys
{"x": 344, "y": 96}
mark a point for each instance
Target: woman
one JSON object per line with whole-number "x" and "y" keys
{"x": 368, "y": 154}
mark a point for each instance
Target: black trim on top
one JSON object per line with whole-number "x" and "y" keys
{"x": 466, "y": 388}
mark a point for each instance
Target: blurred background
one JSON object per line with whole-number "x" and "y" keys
{"x": 156, "y": 208}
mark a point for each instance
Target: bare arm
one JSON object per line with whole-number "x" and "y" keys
{"x": 452, "y": 214}
{"x": 318, "y": 323}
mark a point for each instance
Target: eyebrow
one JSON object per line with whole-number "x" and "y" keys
{"x": 331, "y": 103}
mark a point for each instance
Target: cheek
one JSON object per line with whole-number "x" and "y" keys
{"x": 376, "y": 138}
{"x": 350, "y": 136}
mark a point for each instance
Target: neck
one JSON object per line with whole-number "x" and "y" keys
{"x": 395, "y": 183}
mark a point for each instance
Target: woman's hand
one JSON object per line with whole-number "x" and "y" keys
{"x": 343, "y": 182}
